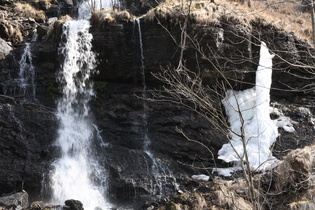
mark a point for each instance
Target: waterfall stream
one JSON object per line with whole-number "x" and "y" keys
{"x": 74, "y": 171}
{"x": 146, "y": 139}
{"x": 26, "y": 79}
{"x": 87, "y": 6}
{"x": 162, "y": 180}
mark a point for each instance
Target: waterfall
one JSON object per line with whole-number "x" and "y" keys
{"x": 74, "y": 171}
{"x": 26, "y": 79}
{"x": 161, "y": 176}
{"x": 86, "y": 7}
{"x": 35, "y": 35}
{"x": 146, "y": 139}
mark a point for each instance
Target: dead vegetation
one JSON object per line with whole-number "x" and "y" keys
{"x": 28, "y": 11}
{"x": 296, "y": 171}
{"x": 106, "y": 16}
{"x": 289, "y": 186}
{"x": 11, "y": 31}
{"x": 284, "y": 15}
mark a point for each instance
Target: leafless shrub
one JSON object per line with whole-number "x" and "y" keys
{"x": 26, "y": 10}
{"x": 295, "y": 172}
{"x": 100, "y": 17}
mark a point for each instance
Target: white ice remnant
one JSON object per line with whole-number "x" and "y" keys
{"x": 248, "y": 116}
{"x": 201, "y": 177}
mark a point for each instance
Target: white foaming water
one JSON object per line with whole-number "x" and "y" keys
{"x": 260, "y": 132}
{"x": 73, "y": 172}
{"x": 87, "y": 7}
{"x": 35, "y": 35}
{"x": 26, "y": 80}
{"x": 161, "y": 175}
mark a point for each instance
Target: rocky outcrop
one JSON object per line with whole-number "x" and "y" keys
{"x": 73, "y": 205}
{"x": 5, "y": 49}
{"x": 27, "y": 133}
{"x": 15, "y": 201}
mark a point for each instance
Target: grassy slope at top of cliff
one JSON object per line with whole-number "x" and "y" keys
{"x": 284, "y": 15}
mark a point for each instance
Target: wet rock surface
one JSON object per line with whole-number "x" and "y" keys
{"x": 73, "y": 205}
{"x": 27, "y": 135}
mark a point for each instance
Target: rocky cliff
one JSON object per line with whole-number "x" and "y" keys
{"x": 28, "y": 129}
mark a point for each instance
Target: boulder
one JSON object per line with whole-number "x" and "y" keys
{"x": 73, "y": 205}
{"x": 5, "y": 49}
{"x": 27, "y": 133}
{"x": 17, "y": 201}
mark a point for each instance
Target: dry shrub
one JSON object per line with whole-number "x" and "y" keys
{"x": 64, "y": 18}
{"x": 295, "y": 172}
{"x": 203, "y": 12}
{"x": 284, "y": 15}
{"x": 105, "y": 16}
{"x": 11, "y": 31}
{"x": 227, "y": 196}
{"x": 28, "y": 11}
{"x": 43, "y": 4}
{"x": 161, "y": 12}
{"x": 302, "y": 205}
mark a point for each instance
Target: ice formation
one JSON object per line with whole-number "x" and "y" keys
{"x": 200, "y": 177}
{"x": 248, "y": 110}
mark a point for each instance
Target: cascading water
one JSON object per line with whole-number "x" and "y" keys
{"x": 91, "y": 5}
{"x": 161, "y": 175}
{"x": 26, "y": 79}
{"x": 146, "y": 139}
{"x": 74, "y": 171}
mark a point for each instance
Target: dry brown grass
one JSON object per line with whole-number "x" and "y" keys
{"x": 28, "y": 11}
{"x": 109, "y": 16}
{"x": 283, "y": 14}
{"x": 44, "y": 4}
{"x": 296, "y": 170}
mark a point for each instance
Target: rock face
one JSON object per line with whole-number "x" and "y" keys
{"x": 27, "y": 134}
{"x": 136, "y": 170}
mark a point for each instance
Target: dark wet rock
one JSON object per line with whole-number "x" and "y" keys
{"x": 42, "y": 31}
{"x": 15, "y": 201}
{"x": 27, "y": 133}
{"x": 73, "y": 205}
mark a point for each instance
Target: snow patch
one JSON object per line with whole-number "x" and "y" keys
{"x": 200, "y": 177}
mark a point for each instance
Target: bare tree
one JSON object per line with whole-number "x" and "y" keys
{"x": 187, "y": 88}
